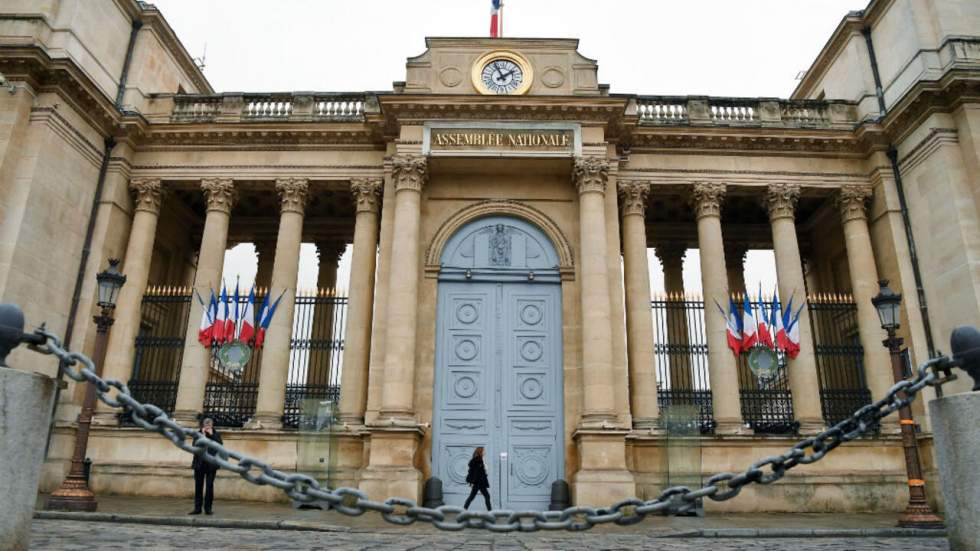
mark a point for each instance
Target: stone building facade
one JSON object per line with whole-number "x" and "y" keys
{"x": 501, "y": 203}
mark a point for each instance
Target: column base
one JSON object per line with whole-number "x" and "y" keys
{"x": 810, "y": 427}
{"x": 603, "y": 478}
{"x": 187, "y": 417}
{"x": 73, "y": 495}
{"x": 599, "y": 421}
{"x": 105, "y": 419}
{"x": 732, "y": 428}
{"x": 264, "y": 421}
{"x": 391, "y": 468}
{"x": 647, "y": 425}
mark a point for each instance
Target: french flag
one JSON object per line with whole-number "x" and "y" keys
{"x": 231, "y": 319}
{"x": 764, "y": 338}
{"x": 207, "y": 321}
{"x": 749, "y": 325}
{"x": 733, "y": 328}
{"x": 247, "y": 330}
{"x": 220, "y": 317}
{"x": 496, "y": 18}
{"x": 265, "y": 318}
{"x": 782, "y": 321}
{"x": 793, "y": 335}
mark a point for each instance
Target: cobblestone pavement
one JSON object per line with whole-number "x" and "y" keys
{"x": 74, "y": 535}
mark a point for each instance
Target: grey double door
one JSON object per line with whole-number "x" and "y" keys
{"x": 498, "y": 384}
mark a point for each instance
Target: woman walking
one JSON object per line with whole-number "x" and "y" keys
{"x": 204, "y": 472}
{"x": 477, "y": 479}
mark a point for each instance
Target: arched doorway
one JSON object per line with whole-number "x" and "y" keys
{"x": 498, "y": 373}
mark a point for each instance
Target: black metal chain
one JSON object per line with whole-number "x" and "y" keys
{"x": 353, "y": 502}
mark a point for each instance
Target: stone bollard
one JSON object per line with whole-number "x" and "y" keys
{"x": 25, "y": 404}
{"x": 956, "y": 429}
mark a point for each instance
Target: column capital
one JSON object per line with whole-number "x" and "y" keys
{"x": 330, "y": 250}
{"x": 293, "y": 193}
{"x": 852, "y": 200}
{"x": 670, "y": 254}
{"x": 633, "y": 196}
{"x": 219, "y": 193}
{"x": 410, "y": 172}
{"x": 367, "y": 193}
{"x": 707, "y": 198}
{"x": 781, "y": 200}
{"x": 735, "y": 251}
{"x": 590, "y": 174}
{"x": 148, "y": 194}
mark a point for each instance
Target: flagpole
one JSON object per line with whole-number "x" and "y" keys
{"x": 500, "y": 20}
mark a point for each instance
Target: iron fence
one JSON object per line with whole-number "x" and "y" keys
{"x": 681, "y": 353}
{"x": 230, "y": 396}
{"x": 840, "y": 356}
{"x": 767, "y": 404}
{"x": 160, "y": 345}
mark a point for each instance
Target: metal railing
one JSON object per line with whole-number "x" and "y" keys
{"x": 840, "y": 356}
{"x": 230, "y": 396}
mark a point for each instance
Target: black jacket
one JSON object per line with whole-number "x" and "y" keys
{"x": 199, "y": 464}
{"x": 477, "y": 475}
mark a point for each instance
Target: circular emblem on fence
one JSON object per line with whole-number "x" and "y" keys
{"x": 234, "y": 355}
{"x": 763, "y": 362}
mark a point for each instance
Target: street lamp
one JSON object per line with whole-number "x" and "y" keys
{"x": 74, "y": 493}
{"x": 917, "y": 514}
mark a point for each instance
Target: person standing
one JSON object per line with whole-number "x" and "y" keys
{"x": 476, "y": 477}
{"x": 204, "y": 472}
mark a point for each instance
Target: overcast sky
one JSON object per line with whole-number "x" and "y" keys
{"x": 684, "y": 47}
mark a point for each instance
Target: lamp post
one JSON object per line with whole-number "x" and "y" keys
{"x": 74, "y": 493}
{"x": 917, "y": 514}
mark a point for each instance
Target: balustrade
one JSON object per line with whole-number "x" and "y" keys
{"x": 189, "y": 108}
{"x": 267, "y": 107}
{"x": 663, "y": 110}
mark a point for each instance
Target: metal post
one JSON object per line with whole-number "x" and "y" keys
{"x": 918, "y": 513}
{"x": 74, "y": 493}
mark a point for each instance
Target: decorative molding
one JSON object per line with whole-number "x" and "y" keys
{"x": 293, "y": 193}
{"x": 852, "y": 200}
{"x": 503, "y": 208}
{"x": 633, "y": 197}
{"x": 367, "y": 193}
{"x": 220, "y": 194}
{"x": 707, "y": 198}
{"x": 781, "y": 200}
{"x": 590, "y": 174}
{"x": 148, "y": 194}
{"x": 409, "y": 172}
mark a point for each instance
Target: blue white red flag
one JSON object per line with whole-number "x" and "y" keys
{"x": 764, "y": 338}
{"x": 496, "y": 18}
{"x": 247, "y": 330}
{"x": 749, "y": 325}
{"x": 265, "y": 318}
{"x": 782, "y": 322}
{"x": 207, "y": 320}
{"x": 793, "y": 334}
{"x": 221, "y": 317}
{"x": 774, "y": 315}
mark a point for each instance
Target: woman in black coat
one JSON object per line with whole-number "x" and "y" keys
{"x": 477, "y": 479}
{"x": 204, "y": 472}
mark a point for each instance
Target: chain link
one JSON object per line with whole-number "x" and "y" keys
{"x": 352, "y": 502}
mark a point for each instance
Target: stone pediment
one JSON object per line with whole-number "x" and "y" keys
{"x": 446, "y": 67}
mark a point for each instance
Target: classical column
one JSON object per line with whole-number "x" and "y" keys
{"x": 707, "y": 199}
{"x": 639, "y": 324}
{"x": 864, "y": 285}
{"x": 195, "y": 367}
{"x": 590, "y": 175}
{"x": 354, "y": 378}
{"x": 321, "y": 359}
{"x": 139, "y": 251}
{"x": 804, "y": 383}
{"x": 274, "y": 368}
{"x": 266, "y": 252}
{"x": 735, "y": 265}
{"x": 671, "y": 256}
{"x": 397, "y": 397}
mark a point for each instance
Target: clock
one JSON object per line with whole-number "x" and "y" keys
{"x": 502, "y": 72}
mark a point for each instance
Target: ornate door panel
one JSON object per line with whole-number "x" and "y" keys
{"x": 498, "y": 372}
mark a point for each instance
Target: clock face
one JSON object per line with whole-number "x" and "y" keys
{"x": 502, "y": 76}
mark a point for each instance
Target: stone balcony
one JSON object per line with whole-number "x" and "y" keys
{"x": 744, "y": 112}
{"x": 263, "y": 107}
